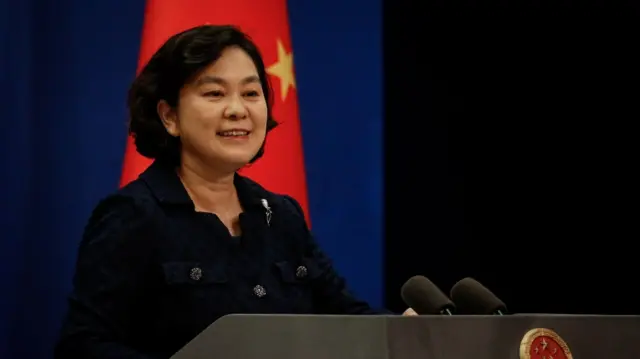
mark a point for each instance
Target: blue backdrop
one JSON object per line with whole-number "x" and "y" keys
{"x": 65, "y": 67}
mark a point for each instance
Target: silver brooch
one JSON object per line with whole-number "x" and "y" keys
{"x": 195, "y": 273}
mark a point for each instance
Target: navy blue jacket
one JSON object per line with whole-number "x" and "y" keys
{"x": 152, "y": 272}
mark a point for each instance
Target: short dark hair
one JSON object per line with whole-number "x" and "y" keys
{"x": 177, "y": 62}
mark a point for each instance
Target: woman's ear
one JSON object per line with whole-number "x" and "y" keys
{"x": 169, "y": 118}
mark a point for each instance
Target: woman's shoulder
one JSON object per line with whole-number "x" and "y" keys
{"x": 130, "y": 205}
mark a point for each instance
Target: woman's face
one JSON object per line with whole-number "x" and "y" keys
{"x": 221, "y": 117}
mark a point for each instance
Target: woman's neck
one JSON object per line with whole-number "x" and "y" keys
{"x": 210, "y": 190}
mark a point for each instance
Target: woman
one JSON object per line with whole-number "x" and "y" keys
{"x": 191, "y": 240}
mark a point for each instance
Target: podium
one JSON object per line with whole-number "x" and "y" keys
{"x": 425, "y": 337}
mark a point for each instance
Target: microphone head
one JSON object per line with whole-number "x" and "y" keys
{"x": 471, "y": 297}
{"x": 424, "y": 297}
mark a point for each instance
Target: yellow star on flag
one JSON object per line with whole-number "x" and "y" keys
{"x": 283, "y": 69}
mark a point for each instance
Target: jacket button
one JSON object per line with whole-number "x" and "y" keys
{"x": 195, "y": 273}
{"x": 301, "y": 272}
{"x": 259, "y": 291}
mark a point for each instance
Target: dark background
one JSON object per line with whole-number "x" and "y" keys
{"x": 509, "y": 133}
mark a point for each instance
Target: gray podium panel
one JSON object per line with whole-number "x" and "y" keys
{"x": 397, "y": 337}
{"x": 241, "y": 336}
{"x": 492, "y": 337}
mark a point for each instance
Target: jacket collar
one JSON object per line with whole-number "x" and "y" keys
{"x": 164, "y": 183}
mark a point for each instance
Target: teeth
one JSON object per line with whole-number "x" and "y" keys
{"x": 234, "y": 133}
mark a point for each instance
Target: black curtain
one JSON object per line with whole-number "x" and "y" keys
{"x": 511, "y": 151}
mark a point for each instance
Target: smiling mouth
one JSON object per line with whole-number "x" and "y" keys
{"x": 233, "y": 133}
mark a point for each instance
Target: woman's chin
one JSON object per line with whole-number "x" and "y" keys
{"x": 236, "y": 159}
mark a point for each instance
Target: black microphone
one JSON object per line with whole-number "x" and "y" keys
{"x": 424, "y": 297}
{"x": 471, "y": 297}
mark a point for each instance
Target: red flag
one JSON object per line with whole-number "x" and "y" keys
{"x": 281, "y": 169}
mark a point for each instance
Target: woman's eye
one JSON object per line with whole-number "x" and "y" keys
{"x": 214, "y": 93}
{"x": 251, "y": 93}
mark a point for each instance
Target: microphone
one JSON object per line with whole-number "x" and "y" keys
{"x": 424, "y": 297}
{"x": 471, "y": 297}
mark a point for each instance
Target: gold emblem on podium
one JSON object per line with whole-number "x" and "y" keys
{"x": 543, "y": 343}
